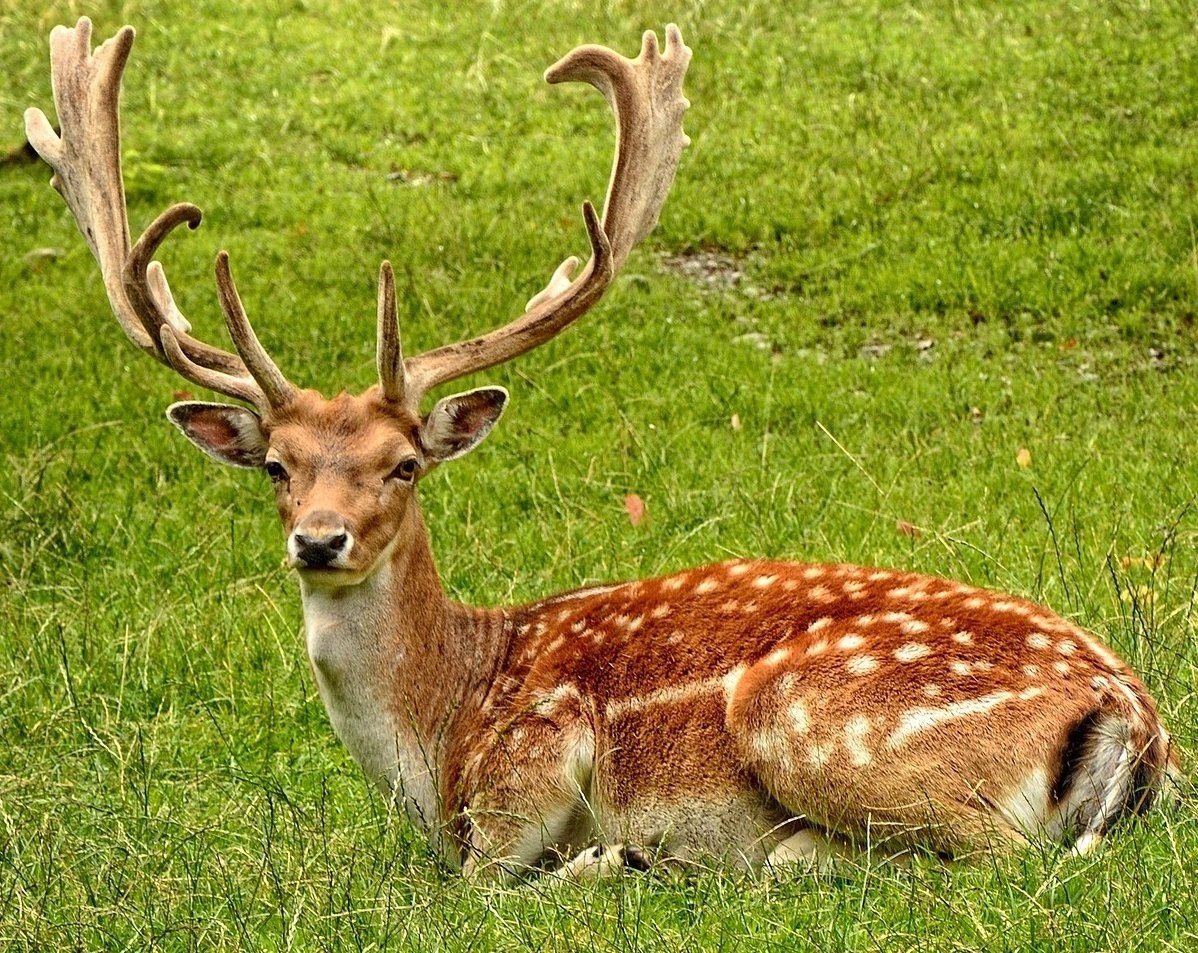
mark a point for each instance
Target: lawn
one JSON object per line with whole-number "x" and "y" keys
{"x": 924, "y": 296}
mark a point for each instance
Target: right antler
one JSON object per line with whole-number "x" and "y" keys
{"x": 86, "y": 159}
{"x": 646, "y": 96}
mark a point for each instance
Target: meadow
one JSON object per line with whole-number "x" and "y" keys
{"x": 924, "y": 296}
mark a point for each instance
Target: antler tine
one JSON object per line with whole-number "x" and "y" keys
{"x": 646, "y": 96}
{"x": 390, "y": 350}
{"x": 277, "y": 389}
{"x": 86, "y": 159}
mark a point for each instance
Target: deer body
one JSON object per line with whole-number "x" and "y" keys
{"x": 751, "y": 713}
{"x": 731, "y": 710}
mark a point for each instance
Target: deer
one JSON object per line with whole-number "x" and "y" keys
{"x": 754, "y": 714}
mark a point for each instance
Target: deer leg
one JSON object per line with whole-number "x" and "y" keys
{"x": 530, "y": 805}
{"x": 599, "y": 862}
{"x": 809, "y": 851}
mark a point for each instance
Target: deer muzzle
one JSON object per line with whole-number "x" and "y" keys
{"x": 321, "y": 540}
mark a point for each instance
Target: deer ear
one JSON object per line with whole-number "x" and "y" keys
{"x": 457, "y": 424}
{"x": 232, "y": 435}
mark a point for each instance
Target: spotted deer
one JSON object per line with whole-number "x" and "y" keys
{"x": 752, "y": 713}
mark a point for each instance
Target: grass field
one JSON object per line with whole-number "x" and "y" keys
{"x": 908, "y": 242}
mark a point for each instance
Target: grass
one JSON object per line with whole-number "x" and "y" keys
{"x": 1012, "y": 182}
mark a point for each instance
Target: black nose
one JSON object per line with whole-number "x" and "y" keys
{"x": 318, "y": 551}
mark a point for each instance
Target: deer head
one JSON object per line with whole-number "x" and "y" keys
{"x": 344, "y": 469}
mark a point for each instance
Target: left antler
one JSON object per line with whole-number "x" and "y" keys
{"x": 646, "y": 96}
{"x": 86, "y": 159}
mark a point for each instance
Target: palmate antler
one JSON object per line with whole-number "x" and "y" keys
{"x": 86, "y": 159}
{"x": 645, "y": 94}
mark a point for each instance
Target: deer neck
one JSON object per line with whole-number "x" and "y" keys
{"x": 397, "y": 664}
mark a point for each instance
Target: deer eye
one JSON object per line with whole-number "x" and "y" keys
{"x": 405, "y": 471}
{"x": 275, "y": 470}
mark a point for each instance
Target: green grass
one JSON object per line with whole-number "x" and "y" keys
{"x": 1014, "y": 182}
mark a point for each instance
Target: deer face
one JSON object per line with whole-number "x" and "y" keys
{"x": 343, "y": 470}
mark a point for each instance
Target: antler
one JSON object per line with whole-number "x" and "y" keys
{"x": 646, "y": 96}
{"x": 86, "y": 159}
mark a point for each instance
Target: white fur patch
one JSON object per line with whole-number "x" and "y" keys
{"x": 911, "y": 651}
{"x": 855, "y": 730}
{"x": 800, "y": 719}
{"x": 862, "y": 664}
{"x": 917, "y": 720}
{"x": 1027, "y": 806}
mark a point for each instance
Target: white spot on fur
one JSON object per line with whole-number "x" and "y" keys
{"x": 1038, "y": 640}
{"x": 555, "y": 644}
{"x": 898, "y": 592}
{"x": 914, "y": 627}
{"x": 847, "y": 643}
{"x": 764, "y": 582}
{"x": 853, "y": 587}
{"x": 660, "y": 611}
{"x": 947, "y": 622}
{"x": 790, "y": 585}
{"x": 1099, "y": 682}
{"x": 635, "y": 623}
{"x": 813, "y": 572}
{"x": 818, "y": 755}
{"x": 960, "y": 668}
{"x": 738, "y": 569}
{"x": 918, "y": 720}
{"x": 862, "y": 664}
{"x": 1066, "y": 647}
{"x": 821, "y": 623}
{"x": 880, "y": 575}
{"x": 932, "y": 690}
{"x": 866, "y": 619}
{"x": 1002, "y": 606}
{"x": 816, "y": 647}
{"x": 777, "y": 657}
{"x": 579, "y": 627}
{"x": 964, "y": 637}
{"x": 674, "y": 583}
{"x": 1061, "y": 668}
{"x": 729, "y": 605}
{"x": 800, "y": 720}
{"x": 855, "y": 730}
{"x": 1032, "y": 691}
{"x": 894, "y": 618}
{"x": 706, "y": 585}
{"x": 911, "y": 651}
{"x": 1031, "y": 671}
{"x": 820, "y": 594}
{"x": 974, "y": 602}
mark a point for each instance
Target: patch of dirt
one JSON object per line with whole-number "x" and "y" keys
{"x": 708, "y": 267}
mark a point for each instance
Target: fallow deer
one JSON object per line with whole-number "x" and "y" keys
{"x": 754, "y": 713}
